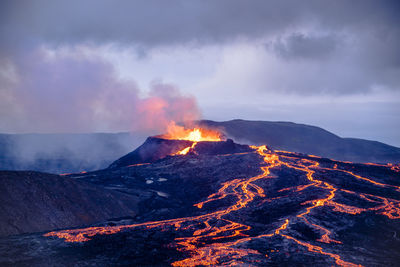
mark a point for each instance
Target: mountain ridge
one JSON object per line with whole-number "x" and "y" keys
{"x": 67, "y": 153}
{"x": 306, "y": 139}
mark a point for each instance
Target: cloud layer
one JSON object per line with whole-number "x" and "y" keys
{"x": 57, "y": 75}
{"x": 360, "y": 38}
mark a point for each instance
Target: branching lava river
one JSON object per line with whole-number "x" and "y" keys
{"x": 220, "y": 234}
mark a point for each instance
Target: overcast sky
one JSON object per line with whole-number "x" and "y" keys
{"x": 83, "y": 66}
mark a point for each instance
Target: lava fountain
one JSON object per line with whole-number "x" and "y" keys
{"x": 196, "y": 134}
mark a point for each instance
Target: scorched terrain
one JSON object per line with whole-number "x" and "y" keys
{"x": 214, "y": 202}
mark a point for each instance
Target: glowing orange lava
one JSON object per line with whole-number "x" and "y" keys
{"x": 186, "y": 149}
{"x": 219, "y": 231}
{"x": 196, "y": 134}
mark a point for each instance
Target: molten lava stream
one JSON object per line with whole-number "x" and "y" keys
{"x": 236, "y": 187}
{"x": 218, "y": 229}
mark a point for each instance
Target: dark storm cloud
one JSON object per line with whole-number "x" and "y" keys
{"x": 164, "y": 22}
{"x": 145, "y": 22}
{"x": 299, "y": 46}
{"x": 373, "y": 25}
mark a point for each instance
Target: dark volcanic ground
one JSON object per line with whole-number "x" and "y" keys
{"x": 253, "y": 208}
{"x": 35, "y": 202}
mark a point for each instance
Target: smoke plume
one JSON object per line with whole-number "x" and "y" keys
{"x": 72, "y": 91}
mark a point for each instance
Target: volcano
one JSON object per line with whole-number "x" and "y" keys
{"x": 155, "y": 148}
{"x": 216, "y": 203}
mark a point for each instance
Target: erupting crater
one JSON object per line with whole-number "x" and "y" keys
{"x": 180, "y": 141}
{"x": 197, "y": 134}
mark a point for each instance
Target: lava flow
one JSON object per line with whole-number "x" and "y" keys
{"x": 215, "y": 239}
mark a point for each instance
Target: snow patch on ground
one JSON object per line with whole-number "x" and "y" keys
{"x": 162, "y": 194}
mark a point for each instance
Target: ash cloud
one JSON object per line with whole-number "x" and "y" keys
{"x": 300, "y": 46}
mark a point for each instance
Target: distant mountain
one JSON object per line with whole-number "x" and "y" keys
{"x": 64, "y": 153}
{"x": 36, "y": 202}
{"x": 306, "y": 139}
{"x": 68, "y": 153}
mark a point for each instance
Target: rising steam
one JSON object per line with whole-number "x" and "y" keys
{"x": 71, "y": 91}
{"x": 163, "y": 108}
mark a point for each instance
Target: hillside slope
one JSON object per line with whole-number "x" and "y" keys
{"x": 36, "y": 202}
